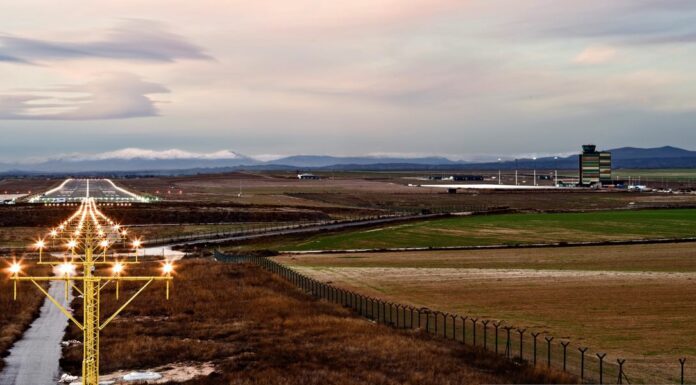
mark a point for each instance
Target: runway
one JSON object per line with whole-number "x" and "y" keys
{"x": 74, "y": 190}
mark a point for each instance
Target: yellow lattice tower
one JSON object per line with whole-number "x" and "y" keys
{"x": 87, "y": 236}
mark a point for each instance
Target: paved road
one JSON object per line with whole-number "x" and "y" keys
{"x": 33, "y": 360}
{"x": 73, "y": 190}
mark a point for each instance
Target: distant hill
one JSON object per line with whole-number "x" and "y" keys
{"x": 632, "y": 157}
{"x": 328, "y": 161}
{"x": 78, "y": 164}
{"x": 180, "y": 162}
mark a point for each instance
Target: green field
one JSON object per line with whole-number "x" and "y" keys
{"x": 667, "y": 173}
{"x": 512, "y": 229}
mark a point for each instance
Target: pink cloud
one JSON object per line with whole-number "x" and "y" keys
{"x": 595, "y": 55}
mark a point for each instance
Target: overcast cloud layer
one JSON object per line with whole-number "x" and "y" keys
{"x": 459, "y": 78}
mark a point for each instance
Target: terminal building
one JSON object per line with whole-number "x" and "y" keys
{"x": 595, "y": 166}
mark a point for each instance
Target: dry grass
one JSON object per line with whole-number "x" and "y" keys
{"x": 16, "y": 316}
{"x": 26, "y": 185}
{"x": 379, "y": 191}
{"x": 634, "y": 302}
{"x": 257, "y": 329}
{"x": 663, "y": 257}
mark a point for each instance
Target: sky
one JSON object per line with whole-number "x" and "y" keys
{"x": 466, "y": 79}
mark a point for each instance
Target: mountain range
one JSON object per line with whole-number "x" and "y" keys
{"x": 181, "y": 162}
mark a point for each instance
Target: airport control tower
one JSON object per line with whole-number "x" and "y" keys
{"x": 595, "y": 166}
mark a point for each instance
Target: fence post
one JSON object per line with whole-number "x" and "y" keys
{"x": 621, "y": 372}
{"x": 521, "y": 331}
{"x": 508, "y": 343}
{"x": 445, "y": 316}
{"x": 534, "y": 347}
{"x": 681, "y": 363}
{"x": 565, "y": 353}
{"x": 548, "y": 351}
{"x": 397, "y": 315}
{"x": 485, "y": 334}
{"x": 464, "y": 318}
{"x": 473, "y": 332}
{"x": 454, "y": 327}
{"x": 582, "y": 363}
{"x": 601, "y": 367}
{"x": 436, "y": 318}
{"x": 496, "y": 325}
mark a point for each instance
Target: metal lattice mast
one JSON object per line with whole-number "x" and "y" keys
{"x": 87, "y": 234}
{"x": 90, "y": 363}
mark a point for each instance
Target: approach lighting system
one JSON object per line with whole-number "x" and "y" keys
{"x": 117, "y": 268}
{"x": 15, "y": 268}
{"x": 168, "y": 268}
{"x": 95, "y": 260}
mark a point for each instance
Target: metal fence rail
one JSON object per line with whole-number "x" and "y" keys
{"x": 537, "y": 349}
{"x": 269, "y": 228}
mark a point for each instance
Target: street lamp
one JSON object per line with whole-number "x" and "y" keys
{"x": 535, "y": 178}
{"x": 555, "y": 171}
{"x": 499, "y": 173}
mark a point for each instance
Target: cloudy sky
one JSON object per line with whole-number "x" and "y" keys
{"x": 460, "y": 78}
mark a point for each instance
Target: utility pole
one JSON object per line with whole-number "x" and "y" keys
{"x": 83, "y": 233}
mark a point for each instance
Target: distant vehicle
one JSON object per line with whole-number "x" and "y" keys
{"x": 464, "y": 178}
{"x": 640, "y": 188}
{"x": 308, "y": 176}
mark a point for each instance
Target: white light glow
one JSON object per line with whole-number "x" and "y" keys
{"x": 66, "y": 269}
{"x": 168, "y": 268}
{"x": 15, "y": 268}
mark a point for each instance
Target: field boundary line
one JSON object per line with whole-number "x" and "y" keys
{"x": 626, "y": 242}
